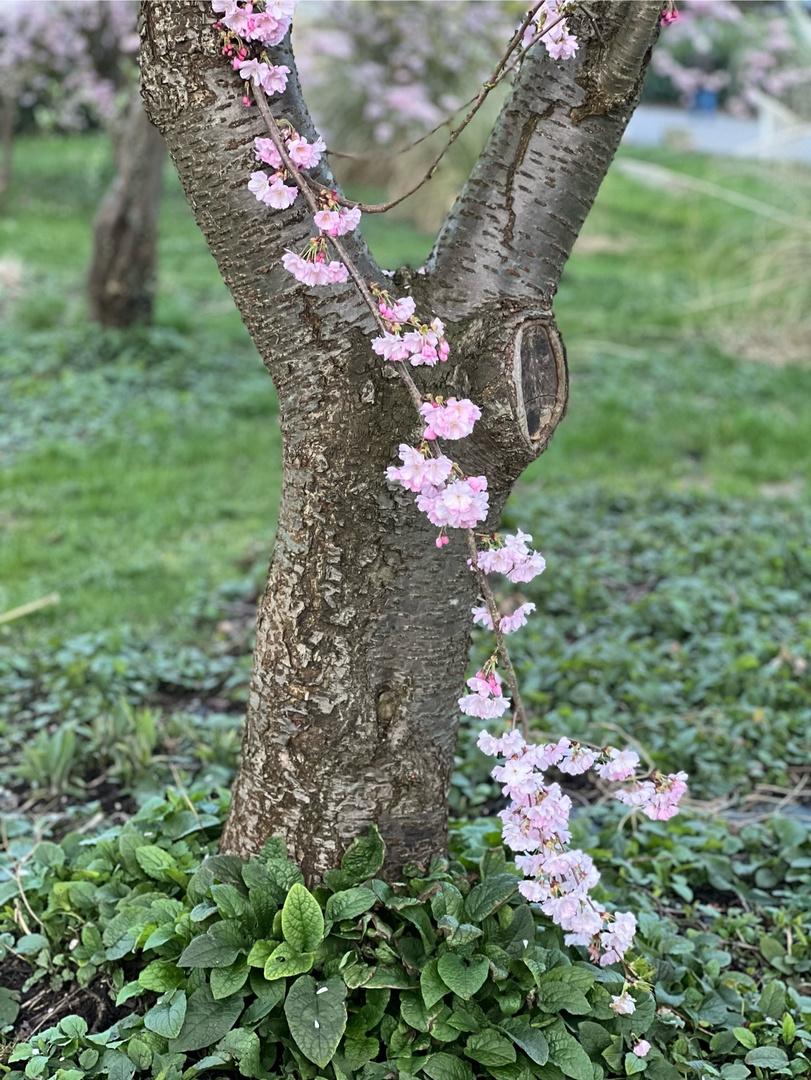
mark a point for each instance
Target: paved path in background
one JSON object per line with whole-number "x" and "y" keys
{"x": 715, "y": 133}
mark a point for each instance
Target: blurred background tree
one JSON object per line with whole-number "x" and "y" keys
{"x": 731, "y": 54}
{"x": 72, "y": 67}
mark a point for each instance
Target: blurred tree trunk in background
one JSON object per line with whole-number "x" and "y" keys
{"x": 121, "y": 282}
{"x": 8, "y": 120}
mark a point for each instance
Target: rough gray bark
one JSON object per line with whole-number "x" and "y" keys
{"x": 121, "y": 280}
{"x": 364, "y": 627}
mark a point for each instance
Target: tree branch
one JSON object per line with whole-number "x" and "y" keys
{"x": 516, "y": 221}
{"x": 193, "y": 97}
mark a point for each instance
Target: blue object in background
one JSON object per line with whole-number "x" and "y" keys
{"x": 705, "y": 101}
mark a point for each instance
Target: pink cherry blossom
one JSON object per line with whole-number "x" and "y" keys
{"x": 272, "y": 80}
{"x": 617, "y": 937}
{"x": 390, "y": 347}
{"x": 280, "y": 195}
{"x": 576, "y": 760}
{"x": 623, "y": 1004}
{"x": 453, "y": 419}
{"x": 337, "y": 273}
{"x": 419, "y": 472}
{"x": 620, "y": 765}
{"x": 326, "y": 220}
{"x": 259, "y": 184}
{"x": 485, "y": 708}
{"x": 348, "y": 220}
{"x": 460, "y": 505}
{"x": 266, "y": 151}
{"x": 304, "y": 154}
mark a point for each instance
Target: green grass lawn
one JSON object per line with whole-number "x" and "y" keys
{"x": 138, "y": 469}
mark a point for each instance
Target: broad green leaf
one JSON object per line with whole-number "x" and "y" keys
{"x": 448, "y": 901}
{"x": 316, "y": 1016}
{"x": 745, "y": 1037}
{"x": 116, "y": 1065}
{"x": 447, "y": 1067}
{"x": 121, "y": 933}
{"x": 364, "y": 857}
{"x": 767, "y": 1057}
{"x": 230, "y": 902}
{"x": 593, "y": 1037}
{"x": 206, "y": 1021}
{"x": 254, "y": 874}
{"x": 225, "y": 868}
{"x": 268, "y": 996}
{"x": 556, "y": 995}
{"x": 161, "y": 975}
{"x": 458, "y": 933}
{"x": 357, "y": 975}
{"x": 358, "y": 1050}
{"x": 166, "y": 1018}
{"x": 160, "y": 936}
{"x": 260, "y": 951}
{"x": 206, "y": 951}
{"x": 415, "y": 1013}
{"x": 139, "y": 1054}
{"x": 418, "y": 917}
{"x": 154, "y": 861}
{"x": 302, "y": 921}
{"x": 432, "y": 987}
{"x": 127, "y": 992}
{"x": 789, "y": 1028}
{"x": 520, "y": 934}
{"x": 567, "y": 1053}
{"x": 464, "y": 977}
{"x": 772, "y": 1001}
{"x": 227, "y": 981}
{"x": 284, "y": 961}
{"x": 394, "y": 977}
{"x": 264, "y": 905}
{"x": 530, "y": 1039}
{"x": 489, "y": 895}
{"x": 634, "y": 1064}
{"x": 734, "y": 1071}
{"x": 491, "y": 1049}
{"x": 46, "y": 853}
{"x": 29, "y": 944}
{"x": 75, "y": 1027}
{"x": 349, "y": 904}
{"x": 9, "y": 1008}
{"x": 283, "y": 874}
{"x": 244, "y": 1046}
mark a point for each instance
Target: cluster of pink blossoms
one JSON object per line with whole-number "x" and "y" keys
{"x": 267, "y": 26}
{"x": 536, "y": 823}
{"x": 507, "y": 624}
{"x": 559, "y": 43}
{"x": 486, "y": 702}
{"x": 451, "y": 419}
{"x": 423, "y": 344}
{"x": 509, "y": 555}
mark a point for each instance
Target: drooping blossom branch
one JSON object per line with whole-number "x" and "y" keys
{"x": 535, "y": 824}
{"x": 560, "y": 46}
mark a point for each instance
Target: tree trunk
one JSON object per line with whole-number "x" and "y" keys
{"x": 121, "y": 281}
{"x": 364, "y": 627}
{"x": 8, "y": 121}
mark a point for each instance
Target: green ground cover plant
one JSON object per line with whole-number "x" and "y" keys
{"x": 138, "y": 478}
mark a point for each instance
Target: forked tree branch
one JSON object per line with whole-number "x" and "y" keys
{"x": 516, "y": 221}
